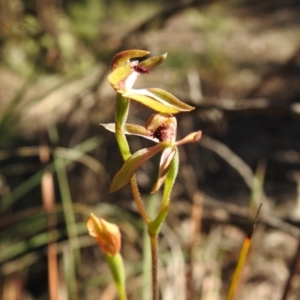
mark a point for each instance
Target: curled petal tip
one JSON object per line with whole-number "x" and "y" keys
{"x": 123, "y": 56}
{"x": 197, "y": 136}
{"x": 190, "y": 138}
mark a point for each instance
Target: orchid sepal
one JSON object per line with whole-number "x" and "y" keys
{"x": 170, "y": 178}
{"x": 131, "y": 129}
{"x": 153, "y": 61}
{"x": 164, "y": 166}
{"x": 131, "y": 165}
{"x": 121, "y": 78}
{"x": 169, "y": 99}
{"x": 158, "y": 99}
{"x": 144, "y": 97}
{"x": 190, "y": 138}
{"x": 124, "y": 56}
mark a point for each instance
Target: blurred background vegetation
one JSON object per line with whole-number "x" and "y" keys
{"x": 236, "y": 61}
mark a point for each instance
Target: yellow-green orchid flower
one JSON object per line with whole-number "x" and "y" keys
{"x": 124, "y": 73}
{"x": 160, "y": 128}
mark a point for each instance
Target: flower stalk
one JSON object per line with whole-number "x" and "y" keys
{"x": 116, "y": 265}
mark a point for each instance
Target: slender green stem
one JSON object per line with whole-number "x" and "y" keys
{"x": 138, "y": 200}
{"x": 122, "y": 142}
{"x": 151, "y": 204}
{"x": 147, "y": 287}
{"x": 154, "y": 262}
{"x": 122, "y": 109}
{"x": 116, "y": 266}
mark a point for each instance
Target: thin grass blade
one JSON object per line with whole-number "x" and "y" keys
{"x": 242, "y": 259}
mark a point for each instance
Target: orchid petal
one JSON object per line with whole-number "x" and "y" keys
{"x": 148, "y": 100}
{"x": 156, "y": 120}
{"x": 153, "y": 61}
{"x": 110, "y": 127}
{"x": 122, "y": 57}
{"x": 170, "y": 179}
{"x": 190, "y": 138}
{"x": 165, "y": 102}
{"x": 131, "y": 165}
{"x": 132, "y": 129}
{"x": 164, "y": 165}
{"x": 169, "y": 99}
{"x": 117, "y": 78}
{"x": 130, "y": 80}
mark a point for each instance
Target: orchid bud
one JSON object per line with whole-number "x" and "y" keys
{"x": 106, "y": 234}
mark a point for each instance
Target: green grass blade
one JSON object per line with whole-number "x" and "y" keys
{"x": 67, "y": 204}
{"x": 35, "y": 179}
{"x": 257, "y": 191}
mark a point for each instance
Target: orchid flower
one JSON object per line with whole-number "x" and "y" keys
{"x": 125, "y": 72}
{"x": 161, "y": 129}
